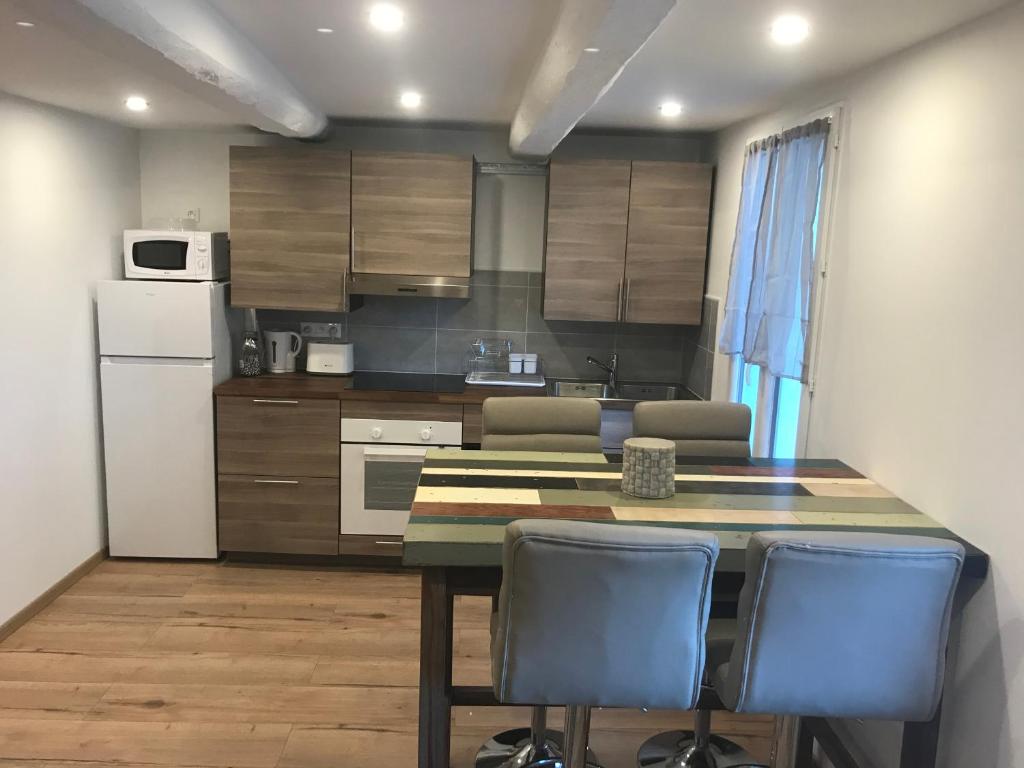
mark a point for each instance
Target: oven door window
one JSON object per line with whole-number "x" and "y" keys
{"x": 166, "y": 255}
{"x": 390, "y": 478}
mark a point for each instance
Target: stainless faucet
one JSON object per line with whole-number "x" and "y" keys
{"x": 612, "y": 366}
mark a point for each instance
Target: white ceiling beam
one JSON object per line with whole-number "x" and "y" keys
{"x": 569, "y": 80}
{"x": 199, "y": 40}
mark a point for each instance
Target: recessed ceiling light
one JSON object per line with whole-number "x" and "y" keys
{"x": 591, "y": 50}
{"x": 325, "y": 30}
{"x": 386, "y": 17}
{"x": 410, "y": 99}
{"x": 790, "y": 29}
{"x": 24, "y": 24}
{"x": 136, "y": 104}
{"x": 670, "y": 109}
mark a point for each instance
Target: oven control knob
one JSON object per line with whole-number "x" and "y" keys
{"x": 426, "y": 434}
{"x": 376, "y": 433}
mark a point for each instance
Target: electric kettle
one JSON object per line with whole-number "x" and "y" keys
{"x": 281, "y": 348}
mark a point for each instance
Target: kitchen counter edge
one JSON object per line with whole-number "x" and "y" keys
{"x": 307, "y": 386}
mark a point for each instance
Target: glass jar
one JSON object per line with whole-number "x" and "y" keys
{"x": 250, "y": 362}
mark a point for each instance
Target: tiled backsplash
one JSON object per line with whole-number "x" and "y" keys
{"x": 426, "y": 335}
{"x": 702, "y": 353}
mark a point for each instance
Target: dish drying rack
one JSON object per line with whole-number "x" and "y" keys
{"x": 488, "y": 364}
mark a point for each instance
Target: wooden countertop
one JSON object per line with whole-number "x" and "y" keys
{"x": 307, "y": 386}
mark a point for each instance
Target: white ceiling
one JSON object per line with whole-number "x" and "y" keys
{"x": 471, "y": 59}
{"x": 91, "y": 74}
{"x": 715, "y": 56}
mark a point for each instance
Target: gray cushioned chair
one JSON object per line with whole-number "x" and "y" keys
{"x": 698, "y": 428}
{"x": 833, "y": 624}
{"x": 541, "y": 424}
{"x": 573, "y": 597}
{"x": 536, "y": 424}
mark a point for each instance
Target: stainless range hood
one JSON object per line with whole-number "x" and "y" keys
{"x": 367, "y": 284}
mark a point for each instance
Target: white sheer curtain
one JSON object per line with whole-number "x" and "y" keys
{"x": 768, "y": 305}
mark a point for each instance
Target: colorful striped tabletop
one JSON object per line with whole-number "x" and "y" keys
{"x": 465, "y": 498}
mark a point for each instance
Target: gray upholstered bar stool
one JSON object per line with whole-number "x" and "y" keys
{"x": 573, "y": 595}
{"x": 535, "y": 424}
{"x": 831, "y": 624}
{"x": 698, "y": 428}
{"x": 541, "y": 424}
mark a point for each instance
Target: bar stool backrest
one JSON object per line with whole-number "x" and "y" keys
{"x": 602, "y": 614}
{"x": 541, "y": 424}
{"x": 842, "y": 624}
{"x": 698, "y": 428}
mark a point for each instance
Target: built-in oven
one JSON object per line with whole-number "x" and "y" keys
{"x": 381, "y": 461}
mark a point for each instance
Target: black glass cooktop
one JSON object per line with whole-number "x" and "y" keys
{"x": 408, "y": 382}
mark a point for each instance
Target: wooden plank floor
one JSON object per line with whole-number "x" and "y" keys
{"x": 204, "y": 665}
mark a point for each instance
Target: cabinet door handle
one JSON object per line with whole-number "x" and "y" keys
{"x": 390, "y": 543}
{"x": 277, "y": 482}
{"x": 625, "y": 309}
{"x": 618, "y": 301}
{"x": 265, "y": 401}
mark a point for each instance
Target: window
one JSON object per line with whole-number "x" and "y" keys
{"x": 776, "y": 286}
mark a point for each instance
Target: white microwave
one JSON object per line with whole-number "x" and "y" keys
{"x": 157, "y": 254}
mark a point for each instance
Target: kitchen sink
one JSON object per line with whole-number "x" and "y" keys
{"x": 650, "y": 392}
{"x": 582, "y": 389}
{"x": 624, "y": 392}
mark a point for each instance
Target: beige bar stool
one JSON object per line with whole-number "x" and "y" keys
{"x": 573, "y": 596}
{"x": 535, "y": 424}
{"x": 541, "y": 424}
{"x": 698, "y": 428}
{"x": 831, "y": 624}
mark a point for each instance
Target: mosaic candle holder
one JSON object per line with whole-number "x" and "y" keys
{"x": 649, "y": 467}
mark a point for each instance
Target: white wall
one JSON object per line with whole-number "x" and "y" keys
{"x": 185, "y": 169}
{"x": 921, "y": 367}
{"x": 68, "y": 185}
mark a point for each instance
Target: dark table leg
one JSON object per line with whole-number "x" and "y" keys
{"x": 921, "y": 743}
{"x": 435, "y": 670}
{"x": 920, "y": 747}
{"x": 803, "y": 750}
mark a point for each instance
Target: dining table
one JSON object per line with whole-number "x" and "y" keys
{"x": 465, "y": 498}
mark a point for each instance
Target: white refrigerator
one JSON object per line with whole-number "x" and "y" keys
{"x": 164, "y": 346}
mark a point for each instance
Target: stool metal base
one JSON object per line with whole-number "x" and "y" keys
{"x": 515, "y": 749}
{"x": 676, "y": 749}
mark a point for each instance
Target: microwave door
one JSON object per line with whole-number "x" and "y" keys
{"x": 159, "y": 255}
{"x": 165, "y": 255}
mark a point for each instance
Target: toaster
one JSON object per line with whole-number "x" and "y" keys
{"x": 330, "y": 357}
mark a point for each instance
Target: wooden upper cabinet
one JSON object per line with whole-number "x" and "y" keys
{"x": 666, "y": 249}
{"x": 584, "y": 257}
{"x": 290, "y": 227}
{"x": 412, "y": 214}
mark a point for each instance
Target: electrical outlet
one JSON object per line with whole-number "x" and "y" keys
{"x": 320, "y": 330}
{"x": 193, "y": 213}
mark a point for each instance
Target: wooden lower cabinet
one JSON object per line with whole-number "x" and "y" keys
{"x": 289, "y": 437}
{"x": 472, "y": 424}
{"x": 357, "y": 409}
{"x": 356, "y": 545}
{"x": 288, "y": 515}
